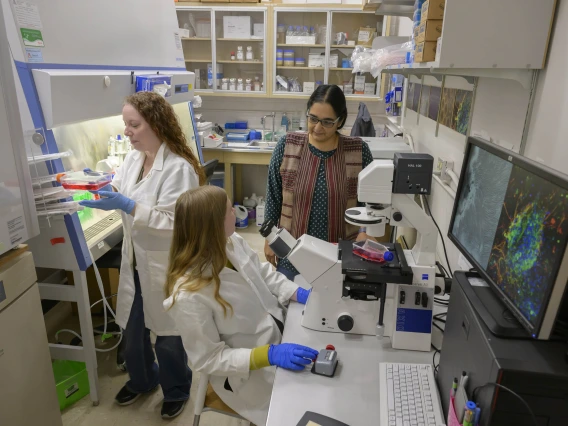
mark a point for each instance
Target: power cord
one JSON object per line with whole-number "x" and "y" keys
{"x": 434, "y": 365}
{"x": 105, "y": 307}
{"x": 512, "y": 393}
{"x": 441, "y": 236}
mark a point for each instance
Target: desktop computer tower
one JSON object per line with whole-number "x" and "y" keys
{"x": 536, "y": 370}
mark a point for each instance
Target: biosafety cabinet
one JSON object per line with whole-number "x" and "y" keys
{"x": 72, "y": 64}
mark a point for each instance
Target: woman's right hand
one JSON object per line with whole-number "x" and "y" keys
{"x": 270, "y": 256}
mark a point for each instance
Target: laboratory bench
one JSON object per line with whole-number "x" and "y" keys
{"x": 352, "y": 395}
{"x": 237, "y": 156}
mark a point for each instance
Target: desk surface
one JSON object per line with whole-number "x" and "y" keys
{"x": 352, "y": 396}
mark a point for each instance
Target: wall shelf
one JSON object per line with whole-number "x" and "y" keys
{"x": 341, "y": 69}
{"x": 201, "y": 61}
{"x": 241, "y": 62}
{"x": 300, "y": 68}
{"x": 232, "y": 94}
{"x": 301, "y": 45}
{"x": 196, "y": 38}
{"x": 240, "y": 39}
{"x": 342, "y": 46}
{"x": 523, "y": 76}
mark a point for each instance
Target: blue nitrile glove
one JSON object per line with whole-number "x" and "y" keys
{"x": 302, "y": 295}
{"x": 291, "y": 356}
{"x": 104, "y": 188}
{"x": 110, "y": 201}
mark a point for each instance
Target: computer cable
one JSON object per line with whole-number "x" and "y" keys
{"x": 441, "y": 236}
{"x": 434, "y": 365}
{"x": 438, "y": 327}
{"x": 511, "y": 392}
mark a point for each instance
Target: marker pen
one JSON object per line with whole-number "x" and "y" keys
{"x": 454, "y": 387}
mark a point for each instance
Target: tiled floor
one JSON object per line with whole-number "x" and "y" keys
{"x": 145, "y": 411}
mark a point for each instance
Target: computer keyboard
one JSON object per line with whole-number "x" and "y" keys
{"x": 409, "y": 396}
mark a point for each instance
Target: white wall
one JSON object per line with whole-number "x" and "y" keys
{"x": 499, "y": 109}
{"x": 547, "y": 138}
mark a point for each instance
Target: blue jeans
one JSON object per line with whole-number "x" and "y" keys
{"x": 173, "y": 375}
{"x": 287, "y": 273}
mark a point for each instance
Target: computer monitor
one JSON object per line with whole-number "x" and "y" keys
{"x": 510, "y": 220}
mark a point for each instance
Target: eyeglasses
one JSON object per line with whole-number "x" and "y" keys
{"x": 326, "y": 122}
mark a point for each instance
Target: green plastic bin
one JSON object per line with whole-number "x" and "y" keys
{"x": 71, "y": 381}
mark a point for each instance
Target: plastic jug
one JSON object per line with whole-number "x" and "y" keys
{"x": 249, "y": 202}
{"x": 241, "y": 213}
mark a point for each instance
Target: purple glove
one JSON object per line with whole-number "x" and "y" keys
{"x": 291, "y": 356}
{"x": 302, "y": 295}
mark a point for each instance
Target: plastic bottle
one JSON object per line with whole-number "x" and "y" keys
{"x": 111, "y": 146}
{"x": 290, "y": 31}
{"x": 249, "y": 202}
{"x": 249, "y": 54}
{"x": 254, "y": 198}
{"x": 257, "y": 83}
{"x": 298, "y": 31}
{"x": 305, "y": 31}
{"x": 312, "y": 31}
{"x": 119, "y": 145}
{"x": 285, "y": 122}
{"x": 240, "y": 53}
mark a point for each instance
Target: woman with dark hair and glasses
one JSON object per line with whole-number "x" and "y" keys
{"x": 312, "y": 178}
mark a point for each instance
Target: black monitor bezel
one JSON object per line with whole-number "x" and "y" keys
{"x": 537, "y": 169}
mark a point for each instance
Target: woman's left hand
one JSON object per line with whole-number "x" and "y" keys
{"x": 362, "y": 236}
{"x": 110, "y": 201}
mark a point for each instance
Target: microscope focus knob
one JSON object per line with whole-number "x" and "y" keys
{"x": 345, "y": 322}
{"x": 397, "y": 216}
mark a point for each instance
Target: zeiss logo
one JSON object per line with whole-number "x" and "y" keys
{"x": 425, "y": 277}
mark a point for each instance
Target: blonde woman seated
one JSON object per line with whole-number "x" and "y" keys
{"x": 230, "y": 318}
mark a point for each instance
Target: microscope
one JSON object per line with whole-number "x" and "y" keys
{"x": 356, "y": 296}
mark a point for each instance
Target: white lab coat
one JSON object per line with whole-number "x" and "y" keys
{"x": 220, "y": 345}
{"x": 148, "y": 234}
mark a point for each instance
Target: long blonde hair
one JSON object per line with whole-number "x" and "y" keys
{"x": 164, "y": 123}
{"x": 198, "y": 248}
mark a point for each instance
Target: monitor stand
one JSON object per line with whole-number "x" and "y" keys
{"x": 492, "y": 311}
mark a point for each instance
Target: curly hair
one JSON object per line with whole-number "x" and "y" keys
{"x": 162, "y": 119}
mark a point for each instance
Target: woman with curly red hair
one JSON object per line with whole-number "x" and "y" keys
{"x": 145, "y": 188}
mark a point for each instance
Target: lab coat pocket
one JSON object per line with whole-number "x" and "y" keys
{"x": 157, "y": 267}
{"x": 254, "y": 389}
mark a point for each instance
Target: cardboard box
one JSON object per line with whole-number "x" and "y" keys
{"x": 425, "y": 51}
{"x": 429, "y": 31}
{"x": 258, "y": 30}
{"x": 315, "y": 60}
{"x": 333, "y": 61}
{"x": 309, "y": 86}
{"x": 347, "y": 89}
{"x": 359, "y": 84}
{"x": 237, "y": 26}
{"x": 365, "y": 36}
{"x": 433, "y": 9}
{"x": 301, "y": 40}
{"x": 416, "y": 31}
{"x": 369, "y": 88}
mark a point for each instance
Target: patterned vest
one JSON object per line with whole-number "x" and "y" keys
{"x": 299, "y": 171}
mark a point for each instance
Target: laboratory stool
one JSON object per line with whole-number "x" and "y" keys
{"x": 207, "y": 400}
{"x": 111, "y": 260}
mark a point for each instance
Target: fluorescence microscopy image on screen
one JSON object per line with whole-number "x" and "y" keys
{"x": 479, "y": 205}
{"x": 530, "y": 241}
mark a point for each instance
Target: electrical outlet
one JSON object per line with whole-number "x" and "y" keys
{"x": 445, "y": 166}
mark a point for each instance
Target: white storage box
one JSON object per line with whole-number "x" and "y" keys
{"x": 333, "y": 61}
{"x": 237, "y": 26}
{"x": 369, "y": 88}
{"x": 300, "y": 39}
{"x": 203, "y": 28}
{"x": 258, "y": 30}
{"x": 309, "y": 86}
{"x": 183, "y": 33}
{"x": 315, "y": 60}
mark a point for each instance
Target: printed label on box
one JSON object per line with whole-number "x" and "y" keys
{"x": 34, "y": 55}
{"x": 32, "y": 38}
